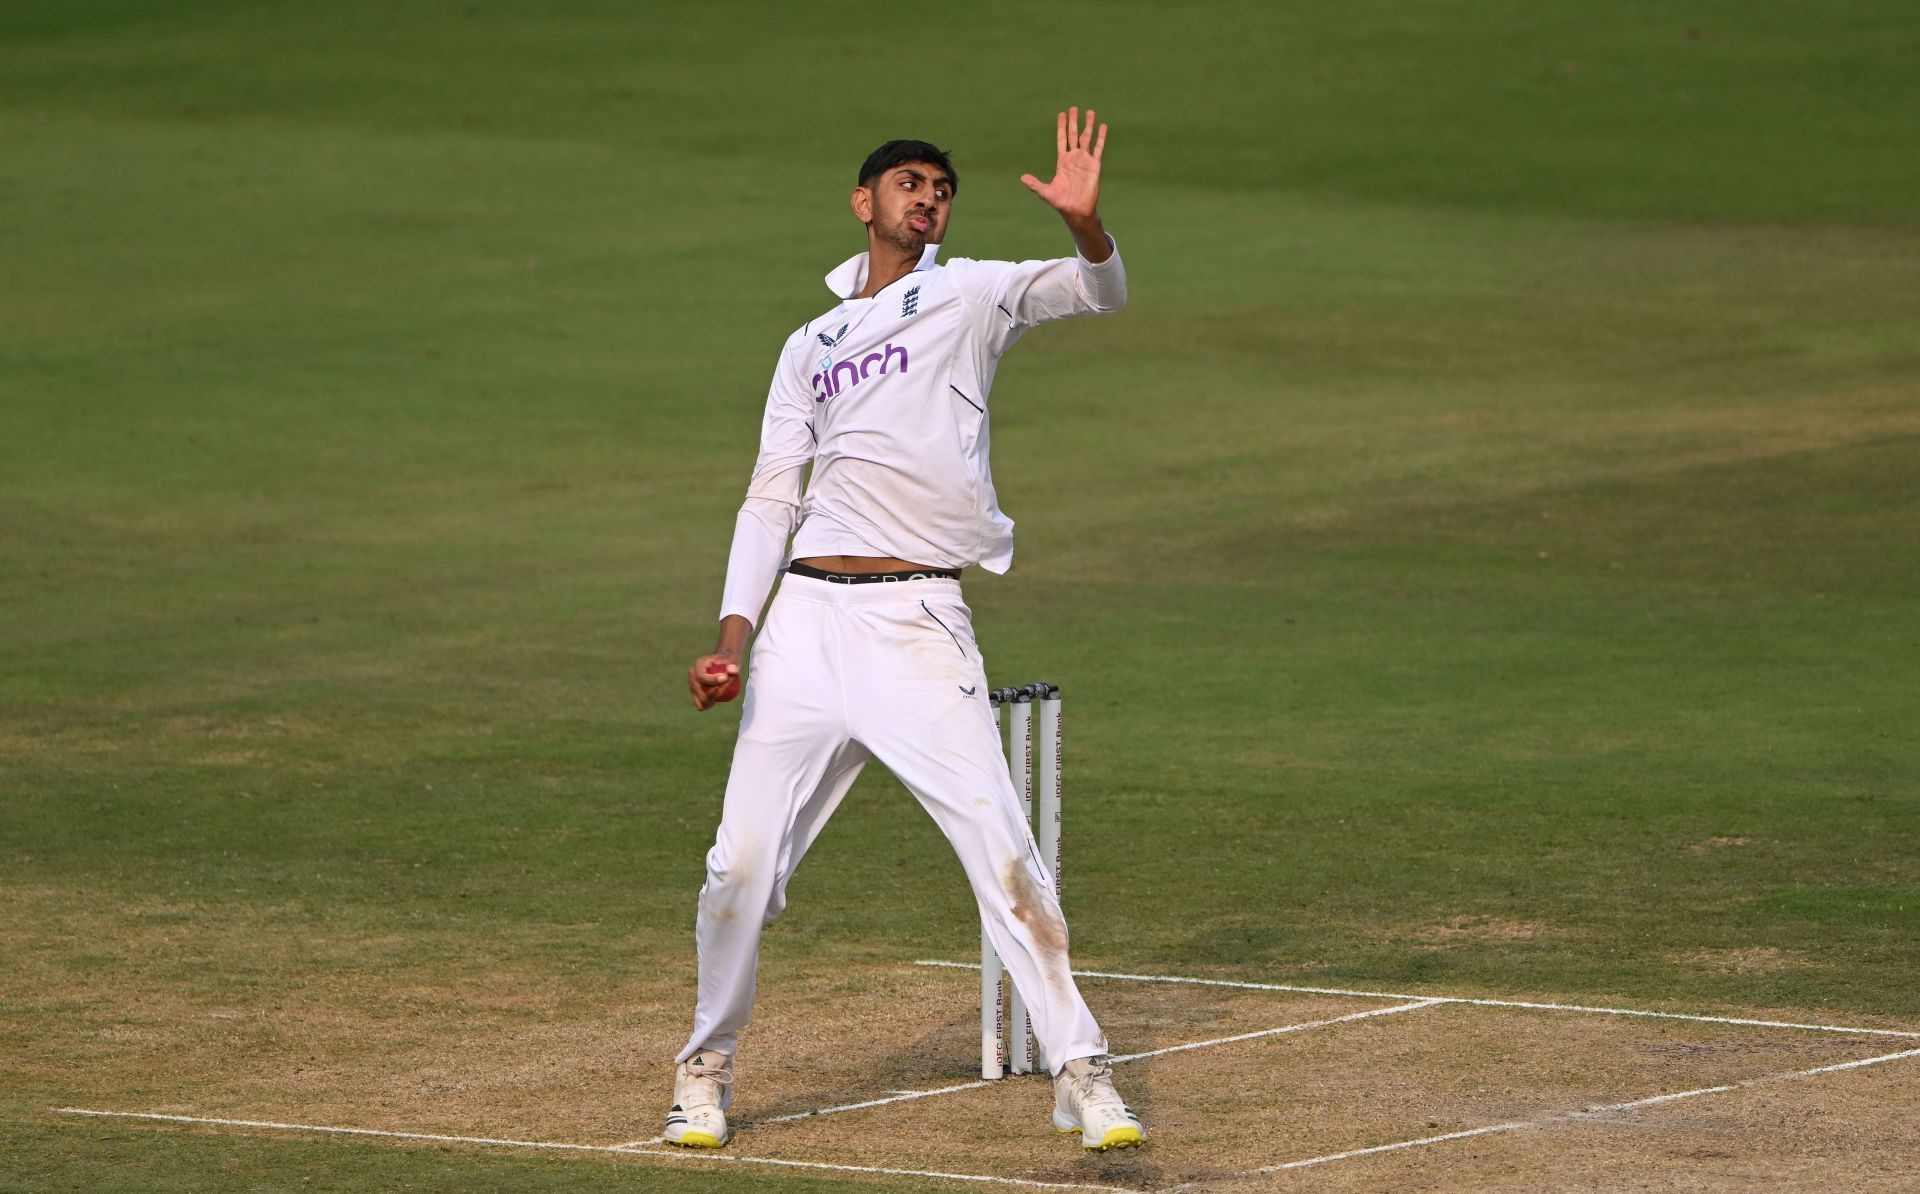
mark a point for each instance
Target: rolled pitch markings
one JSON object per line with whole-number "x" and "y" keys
{"x": 906, "y": 1096}
{"x": 1470, "y": 1002}
{"x": 1585, "y": 1113}
{"x": 1550, "y": 1119}
{"x": 647, "y": 1148}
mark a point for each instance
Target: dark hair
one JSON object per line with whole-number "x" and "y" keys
{"x": 899, "y": 153}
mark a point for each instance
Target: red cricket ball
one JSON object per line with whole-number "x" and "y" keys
{"x": 730, "y": 689}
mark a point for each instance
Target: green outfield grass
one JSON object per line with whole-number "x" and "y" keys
{"x": 1481, "y": 559}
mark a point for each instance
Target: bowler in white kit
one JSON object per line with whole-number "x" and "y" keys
{"x": 868, "y": 651}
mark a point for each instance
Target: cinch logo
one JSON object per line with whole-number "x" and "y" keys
{"x": 847, "y": 374}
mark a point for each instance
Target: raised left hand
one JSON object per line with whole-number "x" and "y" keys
{"x": 1075, "y": 189}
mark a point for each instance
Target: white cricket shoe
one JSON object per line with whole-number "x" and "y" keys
{"x": 702, "y": 1092}
{"x": 1085, "y": 1101}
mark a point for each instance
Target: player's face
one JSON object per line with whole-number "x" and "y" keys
{"x": 908, "y": 206}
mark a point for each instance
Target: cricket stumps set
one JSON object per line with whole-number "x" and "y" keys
{"x": 1031, "y": 717}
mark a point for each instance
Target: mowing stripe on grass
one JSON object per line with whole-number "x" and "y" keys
{"x": 1544, "y": 1007}
{"x": 1590, "y": 1112}
{"x": 627, "y": 1150}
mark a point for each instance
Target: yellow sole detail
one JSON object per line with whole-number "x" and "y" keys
{"x": 697, "y": 1140}
{"x": 1119, "y": 1138}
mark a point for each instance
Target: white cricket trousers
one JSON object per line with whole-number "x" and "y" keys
{"x": 841, "y": 674}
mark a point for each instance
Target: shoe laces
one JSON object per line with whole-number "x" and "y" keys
{"x": 1093, "y": 1087}
{"x": 704, "y": 1085}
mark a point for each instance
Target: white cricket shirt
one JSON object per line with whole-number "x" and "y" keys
{"x": 887, "y": 398}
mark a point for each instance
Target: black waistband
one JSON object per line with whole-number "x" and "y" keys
{"x": 871, "y": 578}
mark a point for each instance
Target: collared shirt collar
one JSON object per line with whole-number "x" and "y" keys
{"x": 850, "y": 276}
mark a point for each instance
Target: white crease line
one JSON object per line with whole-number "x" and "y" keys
{"x": 1387, "y": 1148}
{"x": 1545, "y": 1007}
{"x": 623, "y": 1149}
{"x": 260, "y": 1123}
{"x": 1592, "y": 1112}
{"x": 902, "y": 1096}
{"x": 1249, "y": 1036}
{"x": 1851, "y": 1065}
{"x": 898, "y": 1097}
{"x": 1846, "y": 1029}
{"x": 651, "y": 1140}
{"x": 976, "y": 1178}
{"x": 1201, "y": 982}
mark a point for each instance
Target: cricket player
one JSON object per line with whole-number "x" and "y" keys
{"x": 868, "y": 650}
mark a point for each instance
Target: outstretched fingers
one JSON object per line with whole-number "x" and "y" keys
{"x": 1071, "y": 132}
{"x": 1072, "y": 137}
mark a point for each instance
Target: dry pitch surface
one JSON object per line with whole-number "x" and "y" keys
{"x": 1561, "y": 1098}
